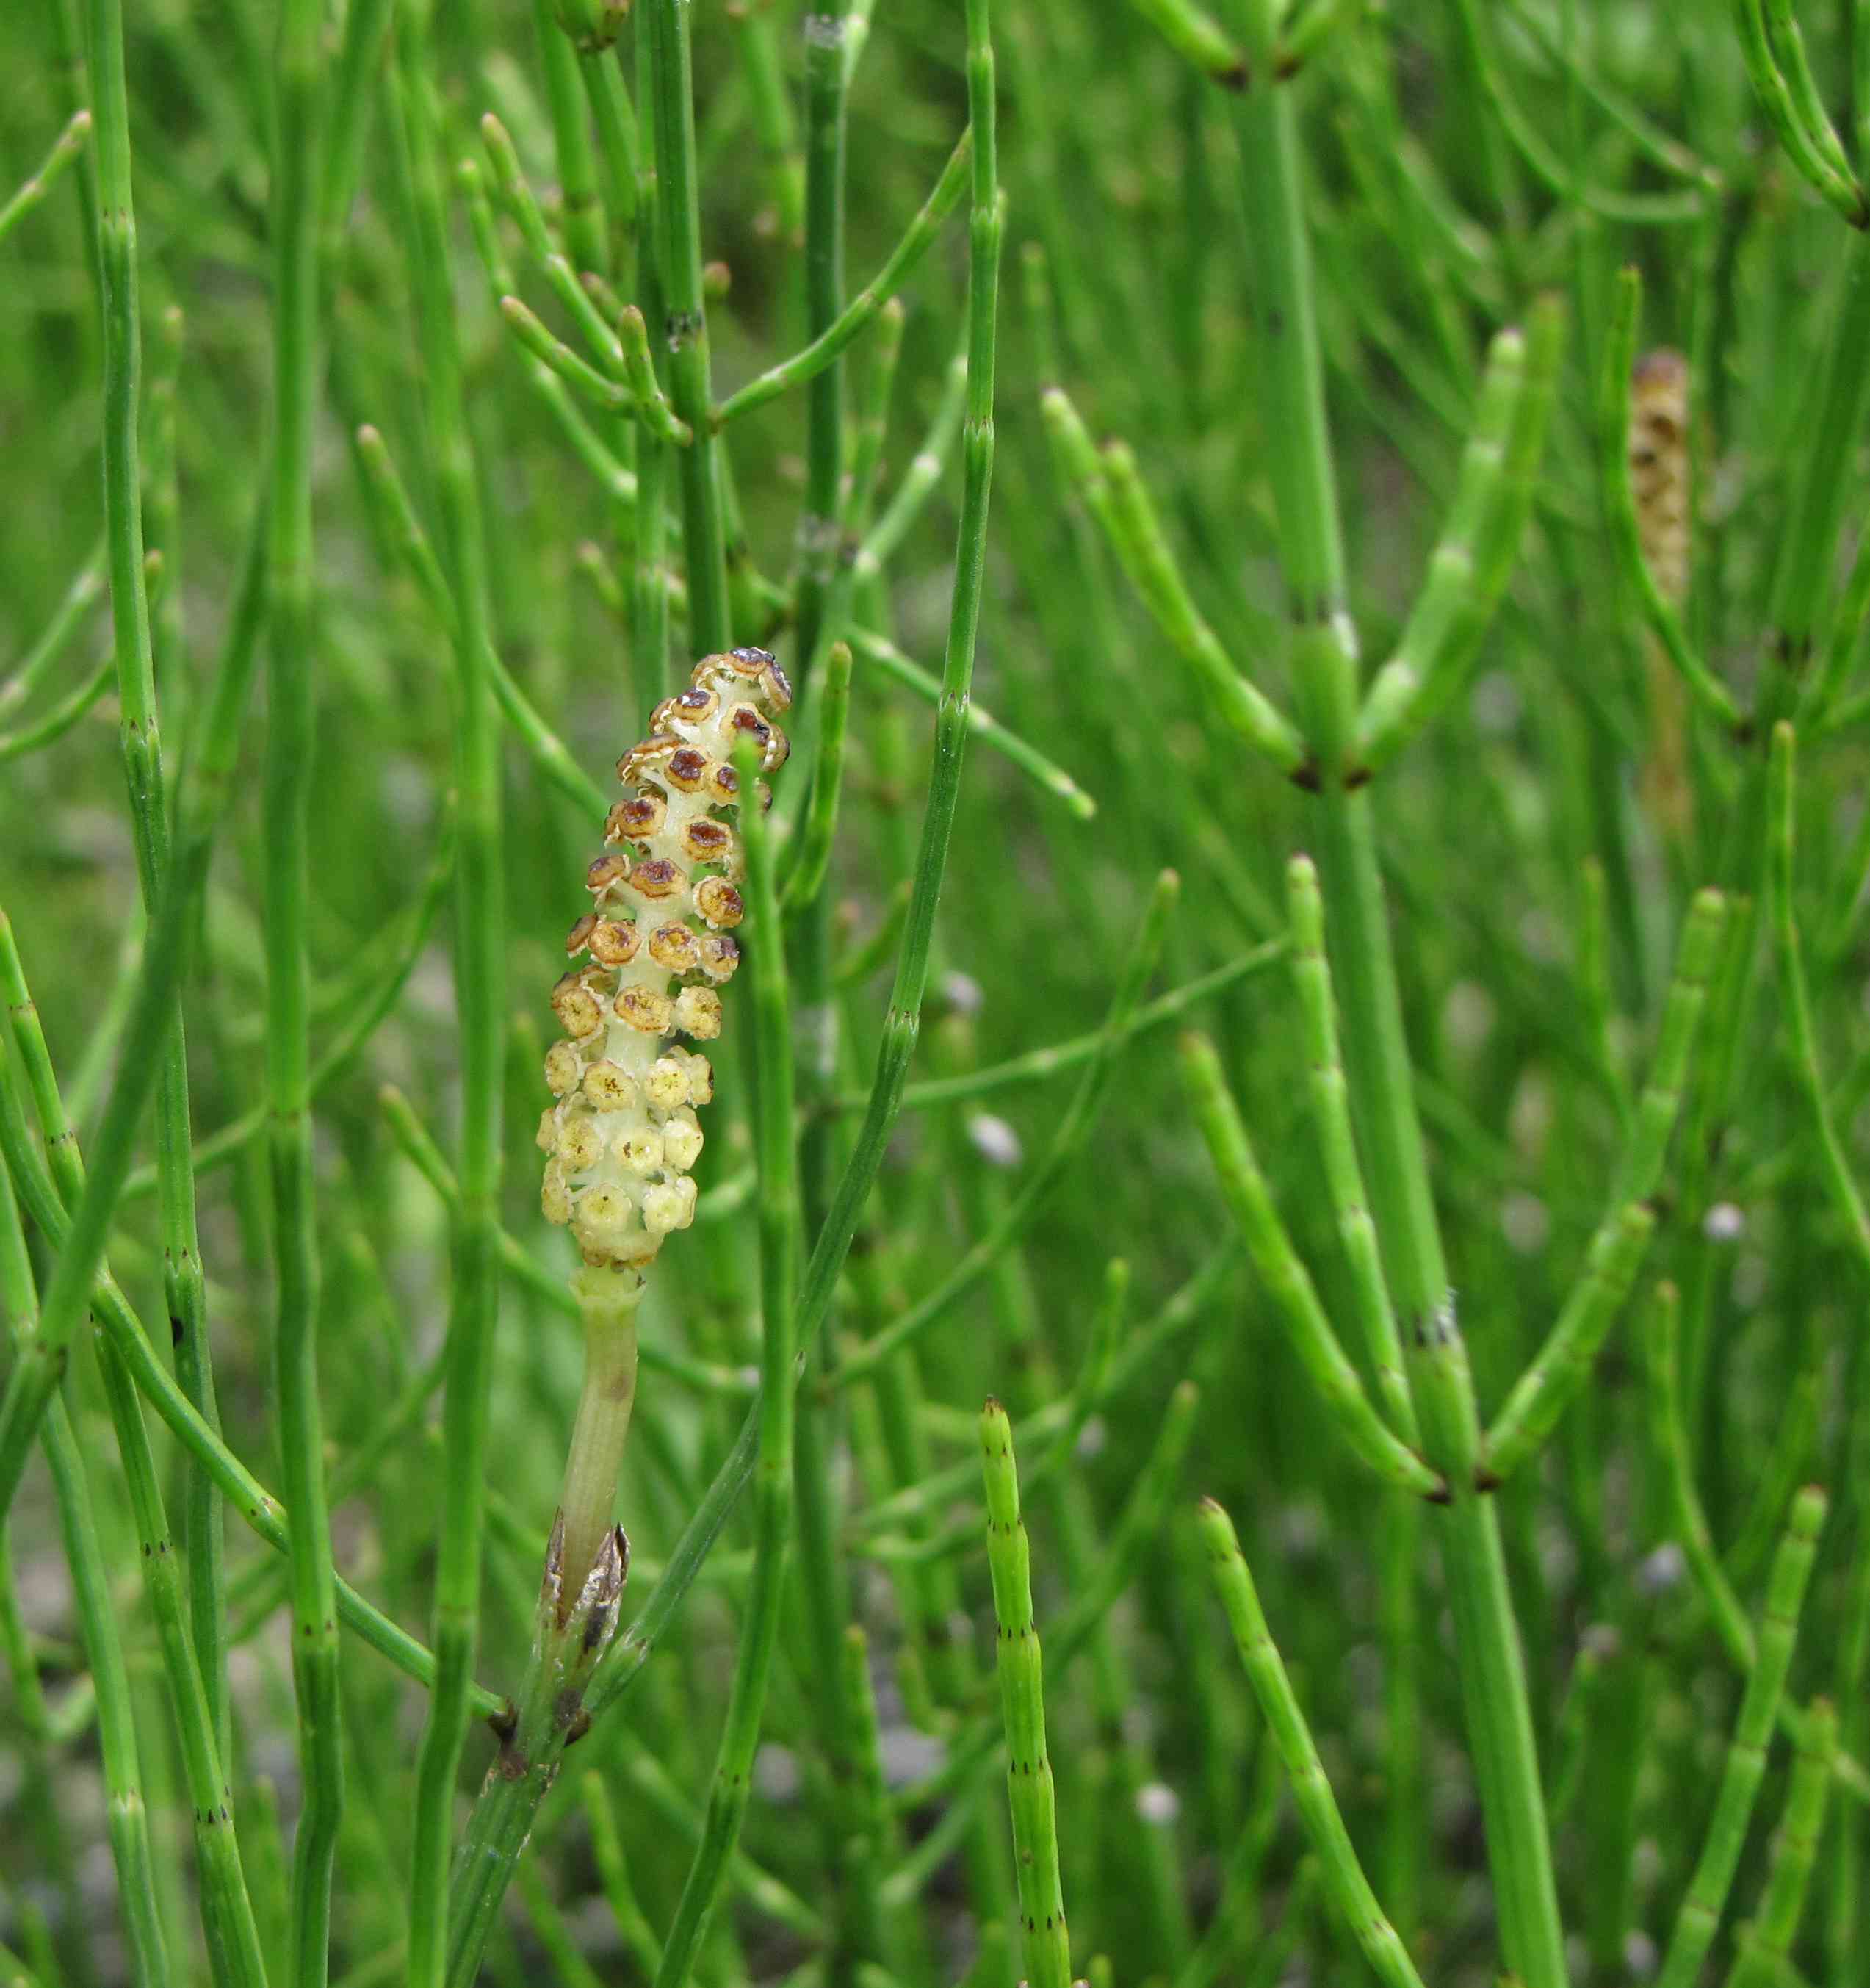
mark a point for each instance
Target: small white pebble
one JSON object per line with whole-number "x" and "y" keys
{"x": 1539, "y": 936}
{"x": 1525, "y": 1223}
{"x": 1158, "y": 1804}
{"x": 775, "y": 1772}
{"x": 1496, "y": 703}
{"x": 994, "y": 1140}
{"x": 962, "y": 992}
{"x": 1467, "y": 1016}
{"x": 1662, "y": 1570}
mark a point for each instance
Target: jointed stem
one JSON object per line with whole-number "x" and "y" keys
{"x": 1376, "y": 1056}
{"x": 297, "y": 172}
{"x": 480, "y": 982}
{"x": 609, "y": 1300}
{"x": 1343, "y": 1875}
{"x": 128, "y": 1825}
{"x": 704, "y": 520}
{"x": 1699, "y": 1914}
{"x": 1029, "y": 1775}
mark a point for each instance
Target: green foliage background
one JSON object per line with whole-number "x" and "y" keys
{"x": 1458, "y": 162}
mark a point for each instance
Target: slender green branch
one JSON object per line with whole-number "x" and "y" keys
{"x": 1073, "y": 1129}
{"x": 74, "y": 605}
{"x": 1563, "y": 1364}
{"x": 1197, "y": 38}
{"x": 772, "y": 111}
{"x": 575, "y": 299}
{"x": 919, "y": 479}
{"x": 1473, "y": 559}
{"x": 411, "y": 545}
{"x": 651, "y": 579}
{"x": 1343, "y": 1875}
{"x": 652, "y": 408}
{"x": 1113, "y": 492}
{"x": 678, "y": 191}
{"x": 1700, "y": 1914}
{"x": 888, "y": 658}
{"x": 1792, "y": 109}
{"x": 805, "y": 876}
{"x": 856, "y": 316}
{"x": 54, "y": 724}
{"x": 615, "y": 396}
{"x": 34, "y": 189}
{"x": 1037, "y": 1065}
{"x": 1796, "y": 999}
{"x": 1288, "y": 1282}
{"x": 613, "y": 1874}
{"x": 650, "y": 1781}
{"x": 1330, "y": 1108}
{"x": 480, "y": 984}
{"x": 1029, "y": 1775}
{"x": 1766, "y": 1950}
{"x": 127, "y": 1822}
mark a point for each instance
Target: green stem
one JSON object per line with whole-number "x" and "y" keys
{"x": 1343, "y": 1875}
{"x": 505, "y": 1813}
{"x": 773, "y": 1489}
{"x": 887, "y": 658}
{"x": 297, "y": 172}
{"x": 33, "y": 190}
{"x": 608, "y": 1302}
{"x": 67, "y": 618}
{"x": 805, "y": 880}
{"x": 1767, "y": 1952}
{"x": 856, "y": 316}
{"x": 227, "y": 1915}
{"x": 264, "y": 1513}
{"x": 1699, "y": 1914}
{"x": 1288, "y": 1282}
{"x": 678, "y": 188}
{"x": 480, "y": 984}
{"x": 126, "y": 1823}
{"x": 1324, "y": 662}
{"x": 649, "y": 600}
{"x": 1330, "y": 1108}
{"x": 1029, "y": 1775}
{"x": 1073, "y": 1127}
{"x": 54, "y": 723}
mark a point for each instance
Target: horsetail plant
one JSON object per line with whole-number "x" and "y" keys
{"x": 649, "y": 959}
{"x": 1766, "y": 1947}
{"x": 1045, "y": 1938}
{"x": 1699, "y": 1916}
{"x": 1342, "y": 1874}
{"x": 508, "y": 382}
